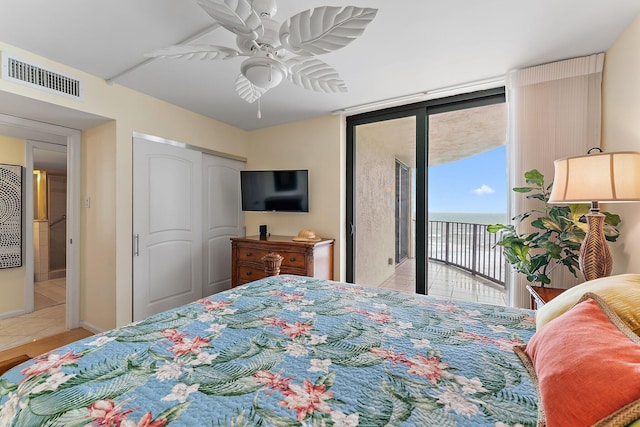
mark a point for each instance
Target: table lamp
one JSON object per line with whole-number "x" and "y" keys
{"x": 595, "y": 178}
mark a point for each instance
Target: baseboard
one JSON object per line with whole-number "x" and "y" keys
{"x": 13, "y": 314}
{"x": 91, "y": 328}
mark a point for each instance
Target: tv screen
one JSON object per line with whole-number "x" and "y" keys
{"x": 275, "y": 190}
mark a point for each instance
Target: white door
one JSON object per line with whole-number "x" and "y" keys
{"x": 223, "y": 219}
{"x": 167, "y": 227}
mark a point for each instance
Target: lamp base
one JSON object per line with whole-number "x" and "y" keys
{"x": 595, "y": 256}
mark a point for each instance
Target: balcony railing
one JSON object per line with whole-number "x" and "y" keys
{"x": 467, "y": 246}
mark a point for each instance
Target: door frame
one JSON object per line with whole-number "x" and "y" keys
{"x": 56, "y": 133}
{"x": 421, "y": 111}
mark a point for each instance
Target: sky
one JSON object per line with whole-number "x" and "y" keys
{"x": 473, "y": 184}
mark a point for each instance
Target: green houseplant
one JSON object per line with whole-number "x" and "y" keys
{"x": 555, "y": 237}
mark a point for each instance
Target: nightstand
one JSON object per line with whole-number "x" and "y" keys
{"x": 540, "y": 296}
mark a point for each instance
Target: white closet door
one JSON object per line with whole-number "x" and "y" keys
{"x": 223, "y": 219}
{"x": 167, "y": 227}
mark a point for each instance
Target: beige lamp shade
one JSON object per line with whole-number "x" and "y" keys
{"x": 594, "y": 178}
{"x": 602, "y": 177}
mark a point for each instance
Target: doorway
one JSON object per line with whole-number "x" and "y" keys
{"x": 50, "y": 229}
{"x": 33, "y": 133}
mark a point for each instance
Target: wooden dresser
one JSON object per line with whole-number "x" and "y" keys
{"x": 313, "y": 259}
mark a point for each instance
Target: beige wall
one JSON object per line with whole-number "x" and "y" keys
{"x": 12, "y": 279}
{"x": 621, "y": 132}
{"x": 375, "y": 205}
{"x": 131, "y": 112}
{"x": 316, "y": 145}
{"x": 98, "y": 225}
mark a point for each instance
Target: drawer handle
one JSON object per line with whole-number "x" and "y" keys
{"x": 248, "y": 273}
{"x": 249, "y": 254}
{"x": 292, "y": 259}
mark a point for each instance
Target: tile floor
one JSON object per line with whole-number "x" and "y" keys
{"x": 50, "y": 309}
{"x": 47, "y": 319}
{"x": 449, "y": 282}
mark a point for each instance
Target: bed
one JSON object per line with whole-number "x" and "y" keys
{"x": 288, "y": 351}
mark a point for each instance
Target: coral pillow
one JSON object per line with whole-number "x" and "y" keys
{"x": 621, "y": 292}
{"x": 586, "y": 364}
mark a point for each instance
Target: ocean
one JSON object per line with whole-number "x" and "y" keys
{"x": 470, "y": 217}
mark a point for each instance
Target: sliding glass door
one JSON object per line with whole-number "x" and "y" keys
{"x": 387, "y": 182}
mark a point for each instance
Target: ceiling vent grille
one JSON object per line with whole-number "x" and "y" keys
{"x": 30, "y": 74}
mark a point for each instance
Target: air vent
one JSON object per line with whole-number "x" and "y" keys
{"x": 29, "y": 74}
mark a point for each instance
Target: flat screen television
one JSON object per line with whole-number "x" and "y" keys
{"x": 275, "y": 190}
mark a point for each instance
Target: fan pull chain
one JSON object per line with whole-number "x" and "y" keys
{"x": 259, "y": 112}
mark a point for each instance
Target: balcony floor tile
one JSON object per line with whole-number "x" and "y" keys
{"x": 448, "y": 282}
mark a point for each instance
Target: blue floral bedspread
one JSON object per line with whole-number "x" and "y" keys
{"x": 288, "y": 351}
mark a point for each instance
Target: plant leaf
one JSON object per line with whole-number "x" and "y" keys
{"x": 578, "y": 210}
{"x": 611, "y": 219}
{"x": 534, "y": 177}
{"x": 494, "y": 228}
{"x": 522, "y": 189}
{"x": 550, "y": 224}
{"x": 538, "y": 196}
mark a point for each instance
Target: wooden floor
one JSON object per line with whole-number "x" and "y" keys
{"x": 16, "y": 355}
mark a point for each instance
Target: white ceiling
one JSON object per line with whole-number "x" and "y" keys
{"x": 411, "y": 46}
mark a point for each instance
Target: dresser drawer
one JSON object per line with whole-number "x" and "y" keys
{"x": 254, "y": 255}
{"x": 250, "y": 254}
{"x": 293, "y": 259}
{"x": 247, "y": 273}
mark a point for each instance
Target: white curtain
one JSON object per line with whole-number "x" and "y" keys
{"x": 554, "y": 111}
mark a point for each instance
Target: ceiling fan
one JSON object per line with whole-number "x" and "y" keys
{"x": 277, "y": 52}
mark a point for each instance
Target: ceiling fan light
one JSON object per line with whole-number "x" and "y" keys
{"x": 263, "y": 72}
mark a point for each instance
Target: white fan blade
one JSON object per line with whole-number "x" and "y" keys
{"x": 247, "y": 90}
{"x": 236, "y": 16}
{"x": 316, "y": 75}
{"x": 324, "y": 29}
{"x": 207, "y": 51}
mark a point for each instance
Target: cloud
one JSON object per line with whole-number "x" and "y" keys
{"x": 484, "y": 189}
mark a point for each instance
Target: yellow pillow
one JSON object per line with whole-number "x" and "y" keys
{"x": 621, "y": 292}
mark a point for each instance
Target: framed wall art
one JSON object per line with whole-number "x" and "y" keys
{"x": 10, "y": 216}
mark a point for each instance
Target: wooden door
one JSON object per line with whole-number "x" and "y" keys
{"x": 167, "y": 227}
